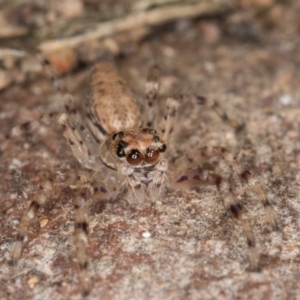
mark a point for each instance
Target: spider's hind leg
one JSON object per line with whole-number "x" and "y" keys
{"x": 185, "y": 176}
{"x": 252, "y": 183}
{"x": 38, "y": 200}
{"x": 242, "y": 175}
{"x": 202, "y": 177}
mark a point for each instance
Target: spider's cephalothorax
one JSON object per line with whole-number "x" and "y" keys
{"x": 140, "y": 148}
{"x": 132, "y": 157}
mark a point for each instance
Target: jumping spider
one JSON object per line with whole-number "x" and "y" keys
{"x": 129, "y": 150}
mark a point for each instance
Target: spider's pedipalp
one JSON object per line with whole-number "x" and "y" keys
{"x": 134, "y": 183}
{"x": 159, "y": 180}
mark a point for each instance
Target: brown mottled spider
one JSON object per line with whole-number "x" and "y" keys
{"x": 130, "y": 153}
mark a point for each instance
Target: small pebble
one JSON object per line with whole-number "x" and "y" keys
{"x": 146, "y": 234}
{"x": 32, "y": 282}
{"x": 63, "y": 60}
{"x": 285, "y": 100}
{"x": 43, "y": 222}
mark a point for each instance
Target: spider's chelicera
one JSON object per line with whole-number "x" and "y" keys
{"x": 134, "y": 155}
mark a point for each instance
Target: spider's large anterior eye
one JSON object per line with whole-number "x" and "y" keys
{"x": 134, "y": 158}
{"x": 151, "y": 155}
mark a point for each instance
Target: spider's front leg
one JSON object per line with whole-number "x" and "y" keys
{"x": 70, "y": 132}
{"x": 77, "y": 145}
{"x": 45, "y": 119}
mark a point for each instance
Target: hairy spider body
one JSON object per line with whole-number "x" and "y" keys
{"x": 125, "y": 143}
{"x": 111, "y": 105}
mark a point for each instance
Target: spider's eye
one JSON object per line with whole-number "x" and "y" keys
{"x": 120, "y": 135}
{"x": 162, "y": 148}
{"x": 151, "y": 156}
{"x": 134, "y": 158}
{"x": 121, "y": 149}
{"x": 149, "y": 131}
{"x": 156, "y": 139}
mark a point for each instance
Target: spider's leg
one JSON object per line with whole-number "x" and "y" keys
{"x": 134, "y": 182}
{"x": 71, "y": 133}
{"x": 251, "y": 181}
{"x": 77, "y": 145}
{"x": 75, "y": 120}
{"x": 45, "y": 119}
{"x": 91, "y": 188}
{"x": 214, "y": 105}
{"x": 200, "y": 177}
{"x": 81, "y": 237}
{"x": 185, "y": 175}
{"x": 200, "y": 155}
{"x": 169, "y": 118}
{"x": 38, "y": 200}
{"x": 151, "y": 90}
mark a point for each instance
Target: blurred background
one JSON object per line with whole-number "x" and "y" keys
{"x": 76, "y": 33}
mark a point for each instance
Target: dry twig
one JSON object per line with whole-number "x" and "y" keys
{"x": 139, "y": 19}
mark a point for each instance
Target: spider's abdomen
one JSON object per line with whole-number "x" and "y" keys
{"x": 112, "y": 104}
